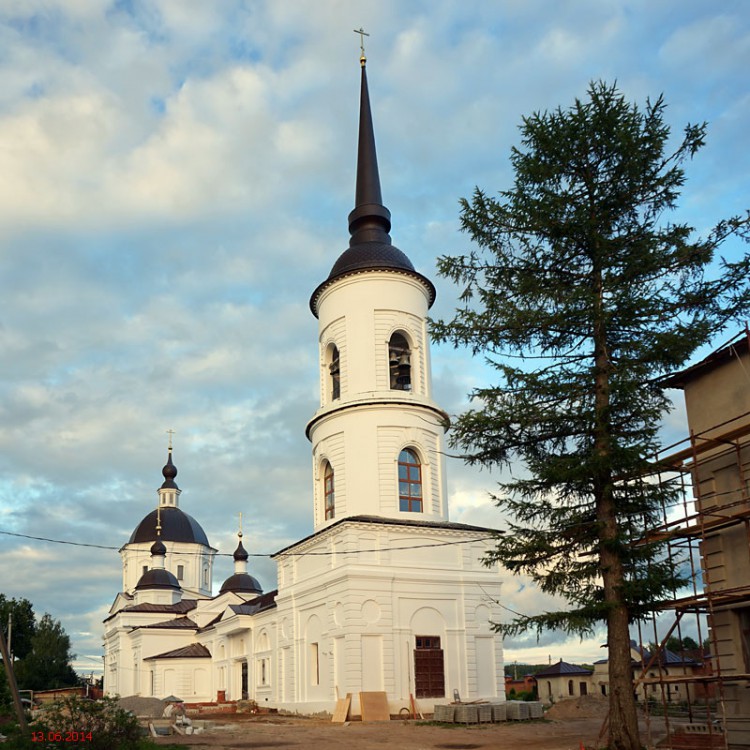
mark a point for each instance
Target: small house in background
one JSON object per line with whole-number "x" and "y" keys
{"x": 514, "y": 686}
{"x": 651, "y": 672}
{"x": 561, "y": 681}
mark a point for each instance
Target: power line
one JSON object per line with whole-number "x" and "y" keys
{"x": 263, "y": 554}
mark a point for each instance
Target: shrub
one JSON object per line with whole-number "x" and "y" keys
{"x": 67, "y": 724}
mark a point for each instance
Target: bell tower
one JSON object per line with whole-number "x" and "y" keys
{"x": 378, "y": 437}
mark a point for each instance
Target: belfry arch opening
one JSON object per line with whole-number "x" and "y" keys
{"x": 334, "y": 373}
{"x": 399, "y": 362}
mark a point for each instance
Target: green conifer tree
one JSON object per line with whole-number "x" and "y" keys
{"x": 581, "y": 295}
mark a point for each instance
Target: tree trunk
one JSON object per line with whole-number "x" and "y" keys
{"x": 623, "y": 719}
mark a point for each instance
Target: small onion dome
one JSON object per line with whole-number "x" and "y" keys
{"x": 241, "y": 583}
{"x": 240, "y": 555}
{"x": 169, "y": 472}
{"x": 158, "y": 578}
{"x": 158, "y": 548}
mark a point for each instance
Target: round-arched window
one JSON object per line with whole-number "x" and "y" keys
{"x": 329, "y": 491}
{"x": 409, "y": 481}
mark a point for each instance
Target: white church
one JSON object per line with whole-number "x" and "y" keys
{"x": 385, "y": 594}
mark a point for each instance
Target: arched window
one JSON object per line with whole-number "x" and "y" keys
{"x": 399, "y": 362}
{"x": 335, "y": 370}
{"x": 329, "y": 491}
{"x": 571, "y": 690}
{"x": 409, "y": 481}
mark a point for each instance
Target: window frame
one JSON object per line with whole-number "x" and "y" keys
{"x": 329, "y": 491}
{"x": 409, "y": 476}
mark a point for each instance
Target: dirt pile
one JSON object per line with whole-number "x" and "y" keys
{"x": 585, "y": 707}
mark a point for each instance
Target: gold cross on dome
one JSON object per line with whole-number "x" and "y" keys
{"x": 170, "y": 433}
{"x": 362, "y": 34}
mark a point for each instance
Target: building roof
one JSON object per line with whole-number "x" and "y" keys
{"x": 734, "y": 348}
{"x": 259, "y": 604}
{"x": 184, "y": 605}
{"x": 176, "y": 526}
{"x": 179, "y": 623}
{"x": 670, "y": 658}
{"x": 370, "y": 247}
{"x": 562, "y": 668}
{"x": 381, "y": 521}
{"x": 193, "y": 651}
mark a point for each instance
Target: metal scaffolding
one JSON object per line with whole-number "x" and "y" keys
{"x": 697, "y": 691}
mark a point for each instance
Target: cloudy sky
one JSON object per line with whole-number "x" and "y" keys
{"x": 175, "y": 177}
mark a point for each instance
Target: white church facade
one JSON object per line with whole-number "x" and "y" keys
{"x": 386, "y": 593}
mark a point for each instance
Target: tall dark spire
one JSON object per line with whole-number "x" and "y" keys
{"x": 370, "y": 221}
{"x": 370, "y": 247}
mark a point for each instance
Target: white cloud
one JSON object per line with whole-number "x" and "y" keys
{"x": 176, "y": 181}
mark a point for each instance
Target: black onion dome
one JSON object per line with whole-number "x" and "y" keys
{"x": 240, "y": 554}
{"x": 169, "y": 472}
{"x": 176, "y": 526}
{"x": 158, "y": 548}
{"x": 241, "y": 583}
{"x": 158, "y": 578}
{"x": 370, "y": 247}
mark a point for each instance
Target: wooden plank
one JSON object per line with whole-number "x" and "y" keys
{"x": 341, "y": 712}
{"x": 374, "y": 706}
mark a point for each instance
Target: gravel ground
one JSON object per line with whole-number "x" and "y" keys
{"x": 296, "y": 732}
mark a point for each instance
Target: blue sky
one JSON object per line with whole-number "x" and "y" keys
{"x": 176, "y": 177}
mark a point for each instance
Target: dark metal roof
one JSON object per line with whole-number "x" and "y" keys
{"x": 563, "y": 668}
{"x": 176, "y": 526}
{"x": 241, "y": 583}
{"x": 158, "y": 578}
{"x": 370, "y": 255}
{"x": 370, "y": 247}
{"x": 259, "y": 604}
{"x": 193, "y": 651}
{"x": 380, "y": 520}
{"x": 179, "y": 623}
{"x": 183, "y": 606}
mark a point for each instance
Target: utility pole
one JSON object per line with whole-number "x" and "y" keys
{"x": 13, "y": 685}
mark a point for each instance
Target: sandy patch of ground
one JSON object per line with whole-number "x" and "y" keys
{"x": 296, "y": 732}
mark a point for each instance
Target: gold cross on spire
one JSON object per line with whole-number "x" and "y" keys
{"x": 240, "y": 531}
{"x": 170, "y": 433}
{"x": 362, "y": 34}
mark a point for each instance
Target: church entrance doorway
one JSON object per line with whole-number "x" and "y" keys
{"x": 244, "y": 682}
{"x": 429, "y": 674}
